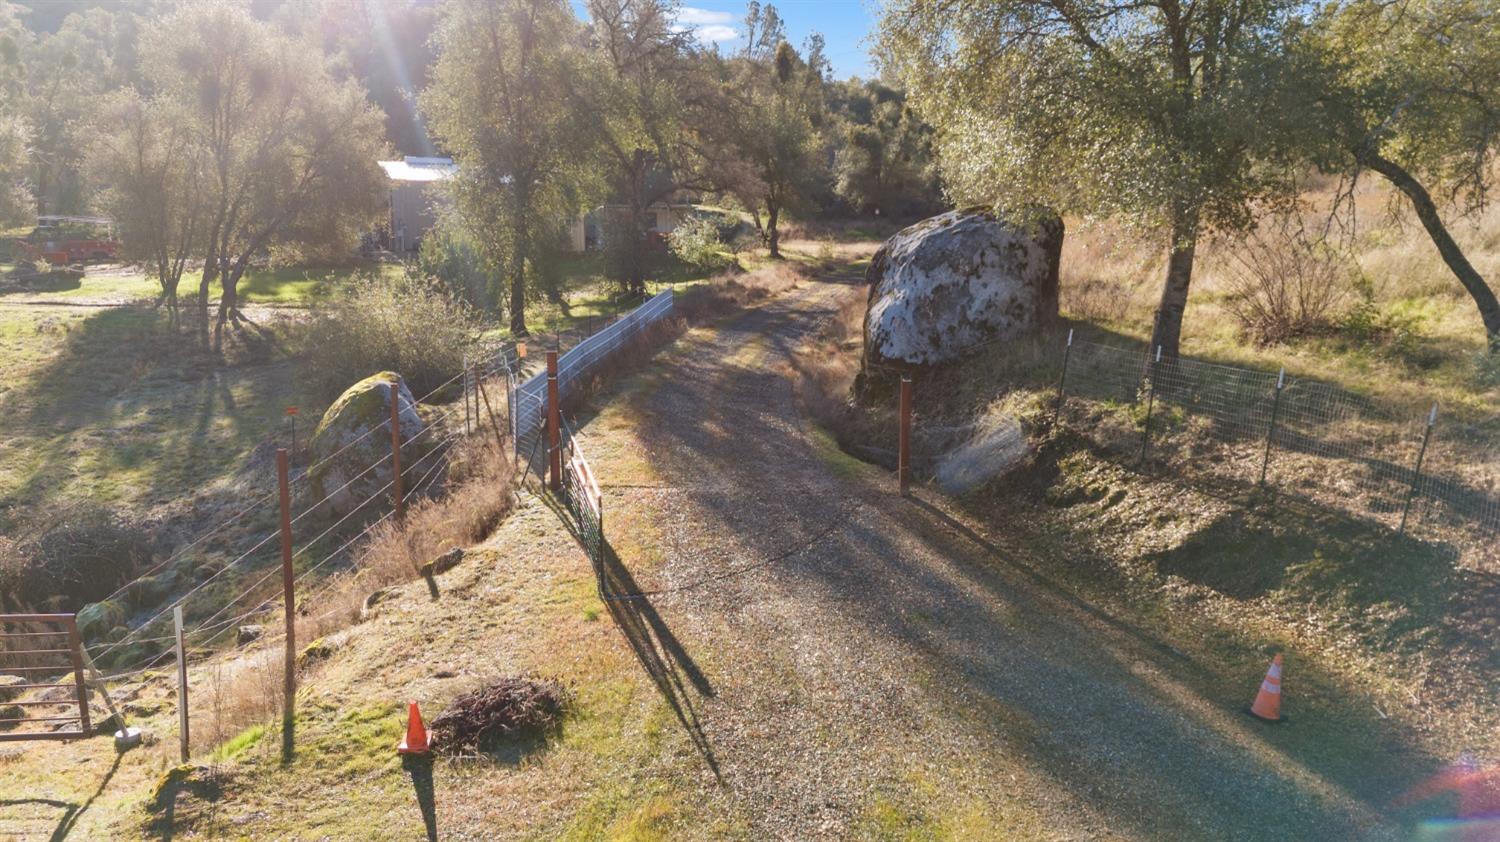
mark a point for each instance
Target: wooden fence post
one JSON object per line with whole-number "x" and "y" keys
{"x": 396, "y": 495}
{"x": 554, "y": 424}
{"x": 287, "y": 586}
{"x": 182, "y": 686}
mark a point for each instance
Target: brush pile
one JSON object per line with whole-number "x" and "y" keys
{"x": 475, "y": 721}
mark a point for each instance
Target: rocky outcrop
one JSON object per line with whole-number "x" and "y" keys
{"x": 353, "y": 435}
{"x": 964, "y": 278}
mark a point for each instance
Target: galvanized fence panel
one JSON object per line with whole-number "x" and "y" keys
{"x": 530, "y": 396}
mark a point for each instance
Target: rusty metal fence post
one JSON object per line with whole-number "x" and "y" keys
{"x": 554, "y": 418}
{"x": 75, "y": 657}
{"x": 289, "y": 591}
{"x": 903, "y": 452}
{"x": 1416, "y": 474}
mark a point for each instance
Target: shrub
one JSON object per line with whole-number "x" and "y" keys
{"x": 1367, "y": 324}
{"x": 1283, "y": 283}
{"x": 451, "y": 255}
{"x": 696, "y": 242}
{"x": 82, "y": 555}
{"x": 409, "y": 325}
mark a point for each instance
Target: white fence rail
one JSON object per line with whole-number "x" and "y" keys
{"x": 529, "y": 403}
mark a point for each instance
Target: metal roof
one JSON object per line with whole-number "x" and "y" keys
{"x": 418, "y": 168}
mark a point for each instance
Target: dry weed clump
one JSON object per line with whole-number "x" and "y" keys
{"x": 824, "y": 369}
{"x": 242, "y": 693}
{"x": 511, "y": 706}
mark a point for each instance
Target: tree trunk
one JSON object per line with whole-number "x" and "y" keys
{"x": 1421, "y": 201}
{"x": 210, "y": 266}
{"x": 773, "y": 236}
{"x": 1167, "y": 333}
{"x": 518, "y": 296}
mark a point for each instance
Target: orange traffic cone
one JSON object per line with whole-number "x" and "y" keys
{"x": 1268, "y": 701}
{"x": 415, "y": 741}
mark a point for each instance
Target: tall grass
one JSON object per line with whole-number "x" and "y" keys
{"x": 246, "y": 691}
{"x": 1427, "y": 339}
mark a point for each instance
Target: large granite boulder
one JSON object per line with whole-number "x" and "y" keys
{"x": 961, "y": 279}
{"x": 354, "y": 435}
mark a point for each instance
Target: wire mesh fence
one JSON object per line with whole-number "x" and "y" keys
{"x": 529, "y": 397}
{"x": 1218, "y": 422}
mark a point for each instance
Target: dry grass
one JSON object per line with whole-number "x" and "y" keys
{"x": 728, "y": 292}
{"x": 246, "y": 691}
{"x": 1418, "y": 338}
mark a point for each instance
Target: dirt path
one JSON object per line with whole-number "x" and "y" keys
{"x": 847, "y": 662}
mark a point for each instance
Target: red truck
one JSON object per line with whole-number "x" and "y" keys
{"x": 61, "y": 240}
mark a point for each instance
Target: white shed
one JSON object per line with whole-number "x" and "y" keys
{"x": 413, "y": 198}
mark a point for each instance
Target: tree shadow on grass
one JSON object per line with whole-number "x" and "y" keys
{"x": 131, "y": 400}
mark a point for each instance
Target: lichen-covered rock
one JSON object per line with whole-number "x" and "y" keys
{"x": 966, "y": 277}
{"x": 11, "y": 716}
{"x": 443, "y": 563}
{"x": 355, "y": 428}
{"x": 318, "y": 650}
{"x": 10, "y": 687}
{"x": 248, "y": 634}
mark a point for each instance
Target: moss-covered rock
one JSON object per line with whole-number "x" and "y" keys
{"x": 10, "y": 687}
{"x": 318, "y": 650}
{"x": 97, "y": 618}
{"x": 150, "y": 590}
{"x": 354, "y": 434}
{"x": 9, "y": 716}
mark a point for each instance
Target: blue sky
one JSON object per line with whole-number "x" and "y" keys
{"x": 844, "y": 24}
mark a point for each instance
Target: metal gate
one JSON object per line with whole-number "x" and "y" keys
{"x": 45, "y": 651}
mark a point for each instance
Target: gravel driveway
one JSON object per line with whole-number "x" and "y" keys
{"x": 849, "y": 663}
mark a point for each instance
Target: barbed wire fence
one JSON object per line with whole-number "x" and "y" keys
{"x": 255, "y": 564}
{"x": 1278, "y": 431}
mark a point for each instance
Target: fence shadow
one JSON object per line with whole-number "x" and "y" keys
{"x": 666, "y": 661}
{"x": 660, "y": 653}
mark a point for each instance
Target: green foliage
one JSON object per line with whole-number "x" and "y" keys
{"x": 410, "y": 325}
{"x": 499, "y": 101}
{"x": 885, "y": 163}
{"x": 773, "y": 117}
{"x": 696, "y": 242}
{"x": 1369, "y": 325}
{"x": 450, "y": 254}
{"x": 1086, "y": 108}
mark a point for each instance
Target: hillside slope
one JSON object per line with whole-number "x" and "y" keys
{"x": 814, "y": 657}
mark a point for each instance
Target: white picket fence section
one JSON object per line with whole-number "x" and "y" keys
{"x": 529, "y": 403}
